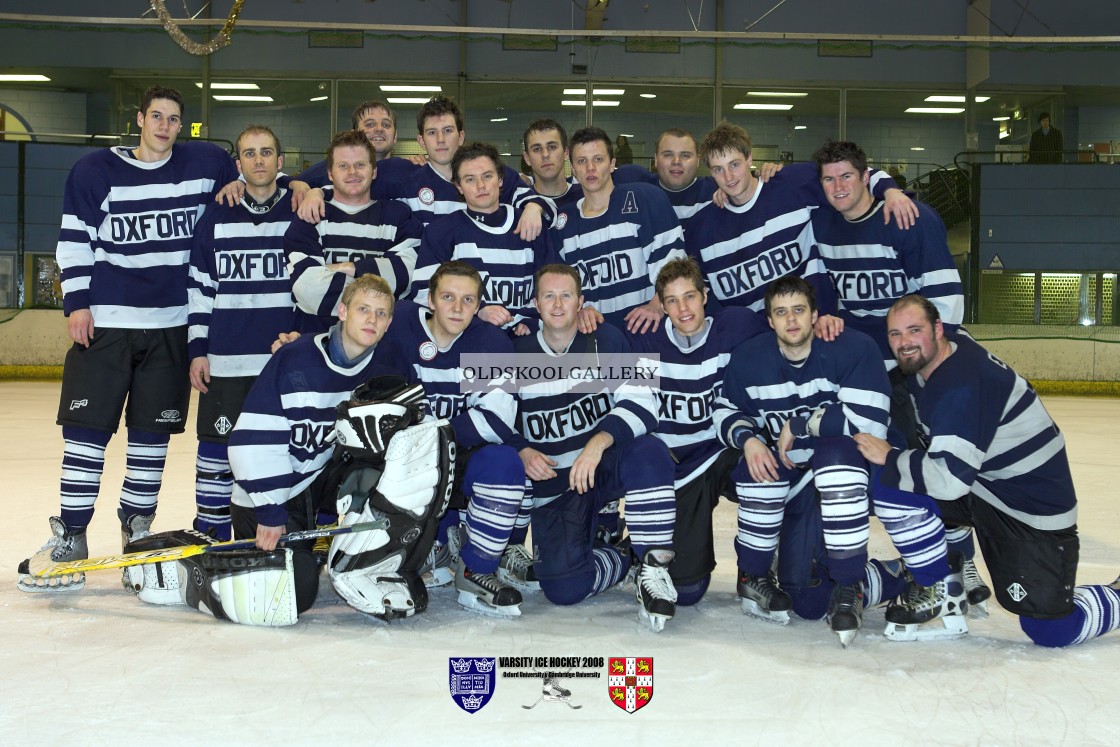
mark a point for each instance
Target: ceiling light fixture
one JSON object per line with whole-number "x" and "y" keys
{"x": 955, "y": 99}
{"x": 788, "y": 94}
{"x": 412, "y": 89}
{"x": 406, "y": 100}
{"x": 648, "y": 95}
{"x": 766, "y": 107}
{"x": 231, "y": 86}
{"x": 934, "y": 110}
{"x": 24, "y": 78}
{"x": 320, "y": 98}
{"x": 242, "y": 98}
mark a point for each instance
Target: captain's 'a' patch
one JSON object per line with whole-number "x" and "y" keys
{"x": 630, "y": 205}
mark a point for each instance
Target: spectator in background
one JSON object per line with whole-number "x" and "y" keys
{"x": 1046, "y": 142}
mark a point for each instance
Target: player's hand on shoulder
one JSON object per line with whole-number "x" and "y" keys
{"x": 828, "y": 327}
{"x": 313, "y": 206}
{"x": 589, "y": 319}
{"x": 530, "y": 225}
{"x": 80, "y": 326}
{"x": 284, "y": 339}
{"x": 898, "y": 205}
{"x": 417, "y": 159}
{"x": 497, "y": 315}
{"x": 644, "y": 318}
{"x": 299, "y": 190}
{"x": 767, "y": 170}
{"x": 200, "y": 373}
{"x": 231, "y": 194}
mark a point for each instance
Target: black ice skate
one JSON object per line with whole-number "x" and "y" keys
{"x": 977, "y": 591}
{"x": 657, "y": 596}
{"x": 761, "y": 597}
{"x": 486, "y": 593}
{"x": 930, "y": 612}
{"x": 516, "y": 568}
{"x": 64, "y": 545}
{"x": 845, "y": 611}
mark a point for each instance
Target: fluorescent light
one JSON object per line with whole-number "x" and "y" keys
{"x": 766, "y": 107}
{"x": 955, "y": 99}
{"x": 569, "y": 102}
{"x": 917, "y": 147}
{"x": 934, "y": 110}
{"x": 231, "y": 86}
{"x": 500, "y": 119}
{"x": 792, "y": 94}
{"x": 595, "y": 92}
{"x": 406, "y": 100}
{"x": 1000, "y": 119}
{"x": 625, "y": 134}
{"x": 505, "y": 154}
{"x": 413, "y": 89}
{"x": 242, "y": 98}
{"x": 600, "y": 102}
{"x": 29, "y": 78}
{"x": 575, "y": 91}
{"x": 320, "y": 98}
{"x": 596, "y": 102}
{"x": 801, "y": 127}
{"x": 648, "y": 95}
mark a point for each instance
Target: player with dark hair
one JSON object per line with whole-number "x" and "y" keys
{"x": 579, "y": 442}
{"x": 618, "y": 238}
{"x": 240, "y": 300}
{"x": 484, "y": 237}
{"x": 791, "y": 404}
{"x": 992, "y": 459}
{"x": 546, "y": 150}
{"x": 379, "y": 123}
{"x": 358, "y": 235}
{"x": 694, "y": 350}
{"x": 490, "y": 486}
{"x": 129, "y": 215}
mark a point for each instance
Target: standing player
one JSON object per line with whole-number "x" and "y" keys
{"x": 575, "y": 442}
{"x": 128, "y": 218}
{"x": 791, "y": 403}
{"x": 694, "y": 350}
{"x": 379, "y": 123}
{"x": 677, "y": 164}
{"x": 240, "y": 300}
{"x": 617, "y": 238}
{"x": 358, "y": 236}
{"x": 993, "y": 460}
{"x": 546, "y": 151}
{"x": 764, "y": 232}
{"x": 430, "y": 342}
{"x": 483, "y": 236}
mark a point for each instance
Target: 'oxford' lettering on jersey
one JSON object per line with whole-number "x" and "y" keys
{"x": 558, "y": 424}
{"x": 869, "y": 285}
{"x": 310, "y": 436}
{"x": 251, "y": 265}
{"x": 507, "y": 292}
{"x": 604, "y": 270}
{"x": 332, "y": 256}
{"x": 447, "y": 405}
{"x": 776, "y": 420}
{"x": 140, "y": 227}
{"x": 769, "y": 265}
{"x": 693, "y": 408}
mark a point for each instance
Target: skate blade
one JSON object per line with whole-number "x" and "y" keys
{"x": 653, "y": 621}
{"x": 846, "y": 636}
{"x": 750, "y": 607}
{"x": 51, "y": 584}
{"x": 471, "y": 602}
{"x": 434, "y": 579}
{"x": 953, "y": 626}
{"x": 518, "y": 583}
{"x": 978, "y": 611}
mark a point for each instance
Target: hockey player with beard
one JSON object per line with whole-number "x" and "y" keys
{"x": 483, "y": 236}
{"x": 791, "y": 404}
{"x": 486, "y": 551}
{"x": 575, "y": 438}
{"x": 994, "y": 460}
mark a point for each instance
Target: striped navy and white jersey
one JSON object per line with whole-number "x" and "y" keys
{"x": 429, "y": 195}
{"x": 126, "y": 232}
{"x": 686, "y": 202}
{"x": 743, "y": 248}
{"x": 762, "y": 390}
{"x": 477, "y": 418}
{"x": 558, "y": 417}
{"x": 379, "y": 238}
{"x": 488, "y": 243}
{"x": 280, "y": 442}
{"x": 389, "y": 170}
{"x": 619, "y": 252}
{"x": 987, "y": 433}
{"x": 691, "y": 381}
{"x": 238, "y": 290}
{"x": 873, "y": 264}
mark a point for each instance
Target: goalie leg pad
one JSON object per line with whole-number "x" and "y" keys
{"x": 250, "y": 587}
{"x": 161, "y": 583}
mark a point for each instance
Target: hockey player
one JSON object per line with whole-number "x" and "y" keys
{"x": 128, "y": 218}
{"x": 358, "y": 235}
{"x": 483, "y": 236}
{"x": 431, "y": 342}
{"x": 694, "y": 350}
{"x": 546, "y": 151}
{"x": 240, "y": 300}
{"x": 379, "y": 123}
{"x": 618, "y": 238}
{"x": 575, "y": 440}
{"x": 791, "y": 403}
{"x": 763, "y": 232}
{"x": 993, "y": 460}
{"x": 676, "y": 163}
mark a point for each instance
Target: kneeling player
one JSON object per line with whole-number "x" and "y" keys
{"x": 574, "y": 441}
{"x": 694, "y": 350}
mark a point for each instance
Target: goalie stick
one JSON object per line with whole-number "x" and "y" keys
{"x": 41, "y": 565}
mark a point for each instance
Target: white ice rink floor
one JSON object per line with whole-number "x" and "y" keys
{"x": 97, "y": 667}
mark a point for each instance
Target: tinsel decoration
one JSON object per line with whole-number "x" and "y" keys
{"x": 220, "y": 40}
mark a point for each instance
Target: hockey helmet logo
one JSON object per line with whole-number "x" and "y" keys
{"x": 630, "y": 681}
{"x": 375, "y": 411}
{"x": 472, "y": 681}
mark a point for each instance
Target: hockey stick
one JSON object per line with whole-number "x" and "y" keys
{"x": 41, "y": 565}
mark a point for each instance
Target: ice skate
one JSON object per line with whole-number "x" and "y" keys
{"x": 516, "y": 568}
{"x": 486, "y": 593}
{"x": 439, "y": 570}
{"x": 135, "y": 527}
{"x": 761, "y": 597}
{"x": 930, "y": 612}
{"x": 977, "y": 591}
{"x": 64, "y": 545}
{"x": 656, "y": 594}
{"x": 552, "y": 692}
{"x": 845, "y": 611}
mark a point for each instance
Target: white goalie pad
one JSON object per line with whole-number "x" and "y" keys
{"x": 249, "y": 587}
